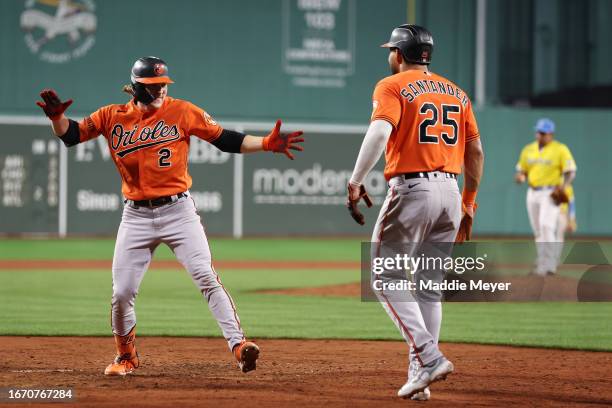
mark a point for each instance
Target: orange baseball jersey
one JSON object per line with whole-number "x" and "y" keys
{"x": 432, "y": 120}
{"x": 150, "y": 150}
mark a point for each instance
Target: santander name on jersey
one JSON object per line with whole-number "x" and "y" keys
{"x": 420, "y": 87}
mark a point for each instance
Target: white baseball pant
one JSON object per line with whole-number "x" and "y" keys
{"x": 544, "y": 218}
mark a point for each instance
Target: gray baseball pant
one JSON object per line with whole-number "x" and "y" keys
{"x": 177, "y": 225}
{"x": 416, "y": 212}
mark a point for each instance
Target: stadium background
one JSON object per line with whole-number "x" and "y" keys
{"x": 294, "y": 274}
{"x": 313, "y": 64}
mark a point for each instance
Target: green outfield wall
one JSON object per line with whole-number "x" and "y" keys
{"x": 268, "y": 58}
{"x": 258, "y": 59}
{"x": 45, "y": 187}
{"x": 314, "y": 64}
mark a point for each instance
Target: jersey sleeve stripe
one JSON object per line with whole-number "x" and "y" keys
{"x": 472, "y": 137}
{"x": 385, "y": 118}
{"x": 215, "y": 137}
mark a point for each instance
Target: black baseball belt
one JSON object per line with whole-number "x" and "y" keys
{"x": 429, "y": 174}
{"x": 157, "y": 202}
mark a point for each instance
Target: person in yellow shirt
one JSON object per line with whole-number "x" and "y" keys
{"x": 546, "y": 165}
{"x": 567, "y": 219}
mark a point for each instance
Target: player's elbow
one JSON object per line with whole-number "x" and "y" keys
{"x": 474, "y": 152}
{"x": 72, "y": 134}
{"x": 230, "y": 141}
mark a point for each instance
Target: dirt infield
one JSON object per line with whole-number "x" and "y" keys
{"x": 200, "y": 372}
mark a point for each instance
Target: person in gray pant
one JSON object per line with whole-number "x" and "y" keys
{"x": 148, "y": 139}
{"x": 426, "y": 126}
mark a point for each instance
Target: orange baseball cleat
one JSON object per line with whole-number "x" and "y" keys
{"x": 246, "y": 354}
{"x": 126, "y": 360}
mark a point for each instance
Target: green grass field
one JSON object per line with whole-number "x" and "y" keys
{"x": 73, "y": 302}
{"x": 222, "y": 248}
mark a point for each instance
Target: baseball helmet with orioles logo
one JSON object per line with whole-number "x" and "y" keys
{"x": 414, "y": 42}
{"x": 146, "y": 71}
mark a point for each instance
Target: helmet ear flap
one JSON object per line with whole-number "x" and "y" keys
{"x": 419, "y": 54}
{"x": 141, "y": 94}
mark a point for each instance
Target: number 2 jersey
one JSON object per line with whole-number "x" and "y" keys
{"x": 150, "y": 150}
{"x": 432, "y": 121}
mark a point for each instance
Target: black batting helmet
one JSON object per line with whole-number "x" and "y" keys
{"x": 414, "y": 42}
{"x": 148, "y": 70}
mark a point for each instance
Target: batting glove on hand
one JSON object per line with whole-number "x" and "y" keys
{"x": 465, "y": 228}
{"x": 54, "y": 108}
{"x": 278, "y": 142}
{"x": 355, "y": 194}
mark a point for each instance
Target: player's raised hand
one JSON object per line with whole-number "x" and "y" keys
{"x": 355, "y": 194}
{"x": 279, "y": 142}
{"x": 52, "y": 105}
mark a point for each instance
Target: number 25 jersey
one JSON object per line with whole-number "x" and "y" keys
{"x": 432, "y": 121}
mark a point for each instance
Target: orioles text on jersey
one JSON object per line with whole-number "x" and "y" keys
{"x": 150, "y": 150}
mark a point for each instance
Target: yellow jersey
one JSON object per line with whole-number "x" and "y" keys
{"x": 545, "y": 167}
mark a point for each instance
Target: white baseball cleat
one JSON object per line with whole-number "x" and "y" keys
{"x": 435, "y": 371}
{"x": 413, "y": 370}
{"x": 422, "y": 396}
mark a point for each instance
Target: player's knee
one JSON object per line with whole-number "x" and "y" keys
{"x": 548, "y": 232}
{"x": 123, "y": 297}
{"x": 204, "y": 277}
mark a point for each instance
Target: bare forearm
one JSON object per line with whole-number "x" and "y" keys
{"x": 60, "y": 126}
{"x": 473, "y": 163}
{"x": 251, "y": 144}
{"x": 568, "y": 178}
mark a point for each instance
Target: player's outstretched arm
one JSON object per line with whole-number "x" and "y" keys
{"x": 276, "y": 141}
{"x": 54, "y": 108}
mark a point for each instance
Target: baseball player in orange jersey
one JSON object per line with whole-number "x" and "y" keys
{"x": 148, "y": 138}
{"x": 426, "y": 127}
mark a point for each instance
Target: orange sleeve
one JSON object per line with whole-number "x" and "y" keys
{"x": 202, "y": 125}
{"x": 93, "y": 125}
{"x": 386, "y": 103}
{"x": 471, "y": 128}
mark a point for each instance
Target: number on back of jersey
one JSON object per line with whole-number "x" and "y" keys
{"x": 430, "y": 111}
